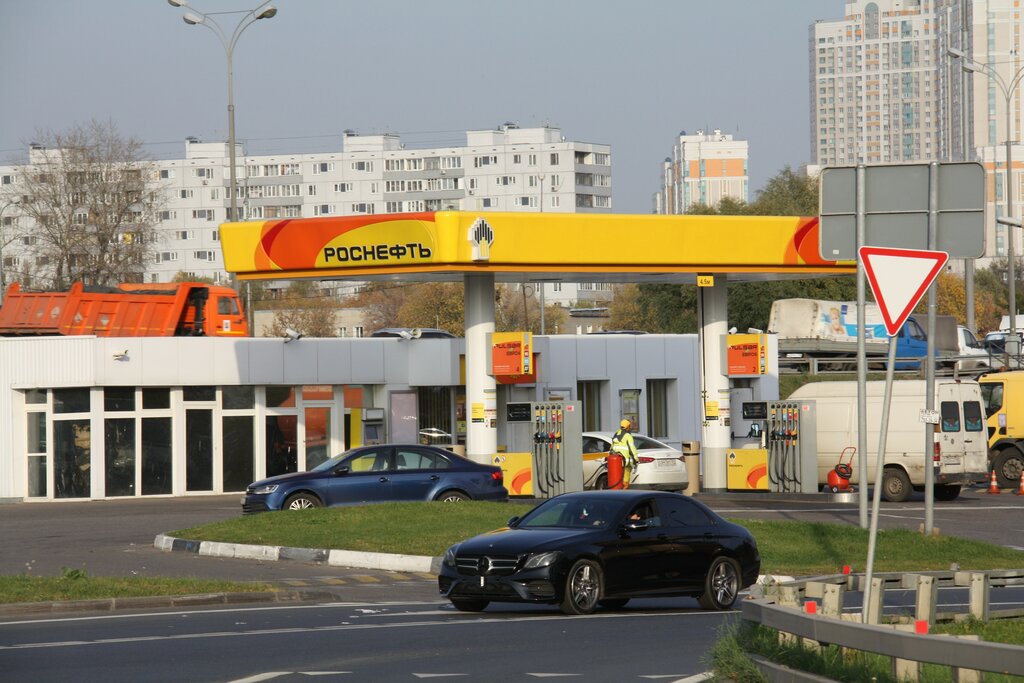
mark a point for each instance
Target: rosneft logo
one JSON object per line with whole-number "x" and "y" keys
{"x": 481, "y": 236}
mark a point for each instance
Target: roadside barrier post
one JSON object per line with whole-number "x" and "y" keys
{"x": 979, "y": 595}
{"x": 874, "y": 611}
{"x": 927, "y": 596}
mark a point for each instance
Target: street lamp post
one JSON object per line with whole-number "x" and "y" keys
{"x": 1008, "y": 89}
{"x": 262, "y": 11}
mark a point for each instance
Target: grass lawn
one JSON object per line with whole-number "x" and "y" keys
{"x": 787, "y": 548}
{"x": 75, "y": 584}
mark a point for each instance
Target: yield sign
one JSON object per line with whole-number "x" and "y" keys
{"x": 899, "y": 278}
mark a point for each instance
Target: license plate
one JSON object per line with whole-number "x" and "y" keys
{"x": 951, "y": 459}
{"x": 665, "y": 462}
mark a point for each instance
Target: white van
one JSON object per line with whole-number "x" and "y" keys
{"x": 960, "y": 456}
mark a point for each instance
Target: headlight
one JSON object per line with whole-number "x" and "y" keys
{"x": 449, "y": 556}
{"x": 264, "y": 490}
{"x": 541, "y": 560}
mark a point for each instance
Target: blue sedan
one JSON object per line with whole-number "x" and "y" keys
{"x": 379, "y": 474}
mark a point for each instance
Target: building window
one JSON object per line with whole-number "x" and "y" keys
{"x": 554, "y": 158}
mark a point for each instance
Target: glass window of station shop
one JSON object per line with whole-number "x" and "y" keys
{"x": 123, "y": 441}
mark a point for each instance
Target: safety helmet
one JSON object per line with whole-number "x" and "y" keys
{"x": 624, "y": 424}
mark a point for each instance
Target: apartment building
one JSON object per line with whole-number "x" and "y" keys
{"x": 508, "y": 169}
{"x": 886, "y": 87}
{"x": 704, "y": 169}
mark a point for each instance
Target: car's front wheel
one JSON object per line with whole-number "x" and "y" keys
{"x": 470, "y": 605}
{"x": 721, "y": 585}
{"x": 582, "y": 588}
{"x": 302, "y": 501}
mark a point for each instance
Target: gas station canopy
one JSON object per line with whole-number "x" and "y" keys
{"x": 554, "y": 247}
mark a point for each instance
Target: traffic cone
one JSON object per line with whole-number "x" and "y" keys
{"x": 993, "y": 487}
{"x": 1020, "y": 491}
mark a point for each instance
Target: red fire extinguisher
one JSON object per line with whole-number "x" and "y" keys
{"x": 615, "y": 470}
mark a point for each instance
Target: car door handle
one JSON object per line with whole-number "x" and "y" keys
{"x": 434, "y": 477}
{"x": 383, "y": 480}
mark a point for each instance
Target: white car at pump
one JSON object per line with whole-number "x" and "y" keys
{"x": 659, "y": 466}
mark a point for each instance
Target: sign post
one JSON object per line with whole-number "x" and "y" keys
{"x": 933, "y": 206}
{"x": 898, "y": 279}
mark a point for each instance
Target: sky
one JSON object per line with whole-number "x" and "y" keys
{"x": 632, "y": 74}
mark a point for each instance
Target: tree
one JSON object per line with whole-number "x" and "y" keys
{"x": 787, "y": 194}
{"x": 433, "y": 304}
{"x": 381, "y": 303}
{"x": 305, "y": 309}
{"x": 182, "y": 276}
{"x": 92, "y": 201}
{"x": 518, "y": 310}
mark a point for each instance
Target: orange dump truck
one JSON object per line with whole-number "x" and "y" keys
{"x": 128, "y": 310}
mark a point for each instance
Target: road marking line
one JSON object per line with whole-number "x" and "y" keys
{"x": 469, "y": 620}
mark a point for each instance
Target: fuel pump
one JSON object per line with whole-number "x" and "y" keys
{"x": 790, "y": 434}
{"x": 555, "y": 442}
{"x": 557, "y": 460}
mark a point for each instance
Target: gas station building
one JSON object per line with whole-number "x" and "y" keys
{"x": 177, "y": 416}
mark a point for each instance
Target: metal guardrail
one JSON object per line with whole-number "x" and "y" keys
{"x": 947, "y": 365}
{"x": 785, "y": 609}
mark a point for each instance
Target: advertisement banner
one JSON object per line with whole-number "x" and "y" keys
{"x": 511, "y": 354}
{"x": 745, "y": 354}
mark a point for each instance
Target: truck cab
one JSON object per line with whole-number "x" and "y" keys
{"x": 1003, "y": 394}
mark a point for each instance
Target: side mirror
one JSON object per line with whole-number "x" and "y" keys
{"x": 636, "y": 526}
{"x": 341, "y": 471}
{"x": 512, "y": 522}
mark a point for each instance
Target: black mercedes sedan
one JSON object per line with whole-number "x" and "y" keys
{"x": 596, "y": 549}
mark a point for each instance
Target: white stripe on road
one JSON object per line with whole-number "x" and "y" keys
{"x": 357, "y": 627}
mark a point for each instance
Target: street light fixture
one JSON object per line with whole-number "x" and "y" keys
{"x": 1008, "y": 89}
{"x": 262, "y": 11}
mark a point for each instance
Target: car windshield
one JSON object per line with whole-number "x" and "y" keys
{"x": 584, "y": 512}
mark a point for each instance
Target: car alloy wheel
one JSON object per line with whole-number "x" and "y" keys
{"x": 302, "y": 501}
{"x": 582, "y": 588}
{"x": 452, "y": 497}
{"x": 722, "y": 584}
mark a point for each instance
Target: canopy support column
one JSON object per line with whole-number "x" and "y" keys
{"x": 481, "y": 399}
{"x": 712, "y": 318}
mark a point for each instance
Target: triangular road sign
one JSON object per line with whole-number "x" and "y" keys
{"x": 899, "y": 278}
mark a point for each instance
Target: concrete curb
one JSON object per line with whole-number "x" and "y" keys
{"x": 157, "y": 602}
{"x": 353, "y": 559}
